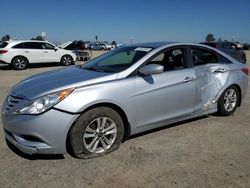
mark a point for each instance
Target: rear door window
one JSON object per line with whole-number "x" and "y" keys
{"x": 202, "y": 56}
{"x": 28, "y": 45}
{"x": 32, "y": 45}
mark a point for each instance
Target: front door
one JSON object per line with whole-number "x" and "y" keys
{"x": 168, "y": 95}
{"x": 51, "y": 54}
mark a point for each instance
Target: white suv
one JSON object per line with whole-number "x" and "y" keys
{"x": 19, "y": 54}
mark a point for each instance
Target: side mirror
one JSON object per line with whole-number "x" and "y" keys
{"x": 151, "y": 69}
{"x": 56, "y": 48}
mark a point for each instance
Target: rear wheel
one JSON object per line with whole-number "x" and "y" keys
{"x": 244, "y": 59}
{"x": 19, "y": 63}
{"x": 96, "y": 132}
{"x": 228, "y": 101}
{"x": 66, "y": 60}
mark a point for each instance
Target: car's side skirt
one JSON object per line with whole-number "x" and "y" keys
{"x": 147, "y": 127}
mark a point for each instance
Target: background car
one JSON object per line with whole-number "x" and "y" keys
{"x": 123, "y": 92}
{"x": 19, "y": 54}
{"x": 78, "y": 48}
{"x": 229, "y": 48}
{"x": 105, "y": 46}
{"x": 96, "y": 46}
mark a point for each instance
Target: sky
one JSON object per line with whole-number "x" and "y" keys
{"x": 123, "y": 20}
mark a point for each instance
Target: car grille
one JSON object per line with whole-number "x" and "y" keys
{"x": 11, "y": 102}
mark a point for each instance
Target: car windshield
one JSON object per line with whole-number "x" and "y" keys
{"x": 116, "y": 60}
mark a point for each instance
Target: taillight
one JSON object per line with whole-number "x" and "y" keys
{"x": 3, "y": 51}
{"x": 245, "y": 70}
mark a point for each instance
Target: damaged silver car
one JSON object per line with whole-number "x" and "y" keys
{"x": 93, "y": 107}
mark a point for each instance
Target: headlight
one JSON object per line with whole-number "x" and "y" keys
{"x": 44, "y": 103}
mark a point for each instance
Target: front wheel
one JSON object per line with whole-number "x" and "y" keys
{"x": 66, "y": 60}
{"x": 96, "y": 132}
{"x": 228, "y": 101}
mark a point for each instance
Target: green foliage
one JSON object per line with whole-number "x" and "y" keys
{"x": 210, "y": 37}
{"x": 5, "y": 38}
{"x": 113, "y": 43}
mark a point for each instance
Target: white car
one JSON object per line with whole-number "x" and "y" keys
{"x": 106, "y": 46}
{"x": 19, "y": 54}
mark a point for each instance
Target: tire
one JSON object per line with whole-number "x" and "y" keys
{"x": 87, "y": 140}
{"x": 244, "y": 59}
{"x": 66, "y": 60}
{"x": 19, "y": 63}
{"x": 228, "y": 101}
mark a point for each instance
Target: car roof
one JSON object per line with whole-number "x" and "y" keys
{"x": 20, "y": 41}
{"x": 12, "y": 43}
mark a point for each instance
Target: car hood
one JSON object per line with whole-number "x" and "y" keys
{"x": 52, "y": 81}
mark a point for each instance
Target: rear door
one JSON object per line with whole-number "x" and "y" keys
{"x": 168, "y": 95}
{"x": 211, "y": 71}
{"x": 31, "y": 50}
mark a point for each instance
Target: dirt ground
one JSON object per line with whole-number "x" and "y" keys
{"x": 206, "y": 152}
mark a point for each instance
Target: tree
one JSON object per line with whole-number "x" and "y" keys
{"x": 5, "y": 38}
{"x": 219, "y": 39}
{"x": 96, "y": 37}
{"x": 37, "y": 38}
{"x": 113, "y": 43}
{"x": 210, "y": 37}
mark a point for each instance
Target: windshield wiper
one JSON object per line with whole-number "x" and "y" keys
{"x": 90, "y": 68}
{"x": 98, "y": 69}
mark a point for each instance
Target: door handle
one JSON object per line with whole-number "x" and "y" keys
{"x": 188, "y": 79}
{"x": 219, "y": 70}
{"x": 26, "y": 51}
{"x": 45, "y": 52}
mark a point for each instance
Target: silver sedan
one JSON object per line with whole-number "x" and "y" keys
{"x": 95, "y": 106}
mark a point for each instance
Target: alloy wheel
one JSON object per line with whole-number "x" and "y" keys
{"x": 20, "y": 63}
{"x": 67, "y": 60}
{"x": 100, "y": 135}
{"x": 230, "y": 100}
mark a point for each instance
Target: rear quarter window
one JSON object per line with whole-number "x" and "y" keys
{"x": 18, "y": 46}
{"x": 3, "y": 44}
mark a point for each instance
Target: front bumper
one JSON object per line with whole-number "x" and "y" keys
{"x": 38, "y": 134}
